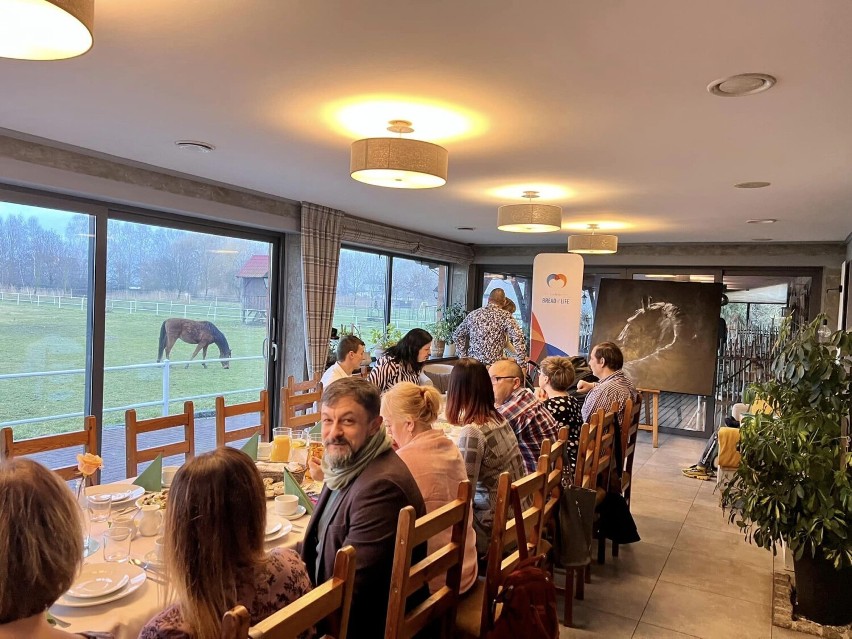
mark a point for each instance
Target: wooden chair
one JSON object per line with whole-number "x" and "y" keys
{"x": 87, "y": 438}
{"x": 475, "y": 616}
{"x": 329, "y": 602}
{"x": 629, "y": 438}
{"x": 603, "y": 465}
{"x": 261, "y": 406}
{"x": 550, "y": 463}
{"x": 134, "y": 427}
{"x": 300, "y": 402}
{"x": 406, "y": 579}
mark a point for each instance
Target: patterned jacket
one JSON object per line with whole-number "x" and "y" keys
{"x": 531, "y": 422}
{"x": 482, "y": 335}
{"x": 615, "y": 388}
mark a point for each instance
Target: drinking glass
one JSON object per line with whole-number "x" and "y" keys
{"x": 117, "y": 544}
{"x": 99, "y": 507}
{"x": 299, "y": 447}
{"x": 281, "y": 439}
{"x": 315, "y": 446}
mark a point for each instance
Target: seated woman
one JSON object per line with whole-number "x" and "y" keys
{"x": 487, "y": 443}
{"x": 41, "y": 537}
{"x": 403, "y": 361}
{"x": 433, "y": 459}
{"x": 214, "y": 535}
{"x": 555, "y": 381}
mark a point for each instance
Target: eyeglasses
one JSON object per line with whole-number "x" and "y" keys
{"x": 495, "y": 379}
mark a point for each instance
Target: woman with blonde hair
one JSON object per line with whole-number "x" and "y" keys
{"x": 554, "y": 380}
{"x": 41, "y": 549}
{"x": 434, "y": 460}
{"x": 214, "y": 550}
{"x": 486, "y": 441}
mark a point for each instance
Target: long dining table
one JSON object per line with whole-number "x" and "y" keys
{"x": 125, "y": 617}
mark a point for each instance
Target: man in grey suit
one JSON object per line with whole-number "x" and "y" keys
{"x": 366, "y": 485}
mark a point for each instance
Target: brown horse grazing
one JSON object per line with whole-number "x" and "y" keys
{"x": 193, "y": 332}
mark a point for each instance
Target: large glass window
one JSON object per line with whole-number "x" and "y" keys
{"x": 362, "y": 284}
{"x": 170, "y": 292}
{"x": 45, "y": 336}
{"x": 418, "y": 290}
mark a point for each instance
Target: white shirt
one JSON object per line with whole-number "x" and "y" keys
{"x": 332, "y": 374}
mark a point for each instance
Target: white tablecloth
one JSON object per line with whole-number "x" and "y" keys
{"x": 125, "y": 617}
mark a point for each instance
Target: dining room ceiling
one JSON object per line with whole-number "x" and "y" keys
{"x": 602, "y": 105}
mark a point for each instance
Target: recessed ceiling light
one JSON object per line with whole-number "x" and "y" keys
{"x": 737, "y": 86}
{"x": 768, "y": 220}
{"x": 195, "y": 146}
{"x": 761, "y": 239}
{"x": 752, "y": 185}
{"x": 465, "y": 228}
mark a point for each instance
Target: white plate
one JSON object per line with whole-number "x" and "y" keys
{"x": 137, "y": 578}
{"x": 97, "y": 580}
{"x": 272, "y": 527}
{"x": 121, "y": 493}
{"x": 285, "y": 529}
{"x": 300, "y": 510}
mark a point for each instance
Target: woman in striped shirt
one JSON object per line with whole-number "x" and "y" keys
{"x": 403, "y": 361}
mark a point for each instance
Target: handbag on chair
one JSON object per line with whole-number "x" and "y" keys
{"x": 575, "y": 518}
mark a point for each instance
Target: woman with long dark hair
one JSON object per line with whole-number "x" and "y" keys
{"x": 214, "y": 550}
{"x": 403, "y": 361}
{"x": 486, "y": 441}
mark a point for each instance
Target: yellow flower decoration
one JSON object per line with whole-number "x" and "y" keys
{"x": 89, "y": 464}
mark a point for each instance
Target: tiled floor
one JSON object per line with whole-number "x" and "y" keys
{"x": 692, "y": 575}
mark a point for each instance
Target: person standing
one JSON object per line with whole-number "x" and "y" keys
{"x": 350, "y": 353}
{"x": 482, "y": 335}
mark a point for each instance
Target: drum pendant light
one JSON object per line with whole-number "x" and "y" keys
{"x": 592, "y": 243}
{"x": 46, "y": 29}
{"x": 529, "y": 217}
{"x": 398, "y": 163}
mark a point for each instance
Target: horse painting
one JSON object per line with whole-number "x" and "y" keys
{"x": 193, "y": 332}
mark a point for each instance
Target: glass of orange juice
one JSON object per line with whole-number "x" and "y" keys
{"x": 281, "y": 438}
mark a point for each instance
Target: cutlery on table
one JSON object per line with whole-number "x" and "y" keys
{"x": 153, "y": 574}
{"x": 56, "y": 621}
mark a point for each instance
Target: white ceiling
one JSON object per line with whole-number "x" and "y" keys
{"x": 604, "y": 98}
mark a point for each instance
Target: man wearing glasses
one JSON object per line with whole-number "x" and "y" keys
{"x": 529, "y": 419}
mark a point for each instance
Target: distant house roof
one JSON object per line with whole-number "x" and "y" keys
{"x": 256, "y": 266}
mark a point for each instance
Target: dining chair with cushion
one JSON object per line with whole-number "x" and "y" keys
{"x": 476, "y": 615}
{"x": 440, "y": 607}
{"x": 300, "y": 403}
{"x": 328, "y": 603}
{"x": 223, "y": 412}
{"x": 136, "y": 427}
{"x": 87, "y": 438}
{"x": 629, "y": 440}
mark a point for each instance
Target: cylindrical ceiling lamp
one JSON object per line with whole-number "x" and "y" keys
{"x": 593, "y": 244}
{"x": 398, "y": 163}
{"x": 46, "y": 29}
{"x": 529, "y": 217}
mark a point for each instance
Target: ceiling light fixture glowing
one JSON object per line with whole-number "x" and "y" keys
{"x": 592, "y": 243}
{"x": 46, "y": 29}
{"x": 398, "y": 163}
{"x": 529, "y": 217}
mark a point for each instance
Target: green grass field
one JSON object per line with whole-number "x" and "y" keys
{"x": 46, "y": 338}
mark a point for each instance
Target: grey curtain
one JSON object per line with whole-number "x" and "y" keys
{"x": 321, "y": 233}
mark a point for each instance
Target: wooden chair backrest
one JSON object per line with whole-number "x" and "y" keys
{"x": 604, "y": 455}
{"x": 260, "y": 406}
{"x": 407, "y": 579}
{"x": 550, "y": 463}
{"x": 503, "y": 553}
{"x": 235, "y": 623}
{"x": 587, "y": 449}
{"x": 329, "y": 601}
{"x": 87, "y": 438}
{"x": 134, "y": 427}
{"x": 300, "y": 402}
{"x": 308, "y": 386}
{"x": 629, "y": 438}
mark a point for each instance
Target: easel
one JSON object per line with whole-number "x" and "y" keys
{"x": 654, "y": 425}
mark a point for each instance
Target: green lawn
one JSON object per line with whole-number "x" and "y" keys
{"x": 46, "y": 338}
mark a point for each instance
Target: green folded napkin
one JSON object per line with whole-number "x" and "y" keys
{"x": 316, "y": 429}
{"x": 151, "y": 478}
{"x": 250, "y": 447}
{"x": 291, "y": 487}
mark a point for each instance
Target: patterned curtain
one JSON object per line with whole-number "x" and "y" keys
{"x": 321, "y": 232}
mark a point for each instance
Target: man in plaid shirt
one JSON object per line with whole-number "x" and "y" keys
{"x": 530, "y": 420}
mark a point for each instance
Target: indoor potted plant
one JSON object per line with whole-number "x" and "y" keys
{"x": 382, "y": 339}
{"x": 440, "y": 331}
{"x": 452, "y": 316}
{"x": 794, "y": 483}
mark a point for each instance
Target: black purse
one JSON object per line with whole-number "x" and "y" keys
{"x": 574, "y": 522}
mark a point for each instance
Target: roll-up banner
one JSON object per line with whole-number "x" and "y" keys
{"x": 557, "y": 291}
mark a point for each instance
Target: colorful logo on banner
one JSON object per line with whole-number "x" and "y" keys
{"x": 557, "y": 280}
